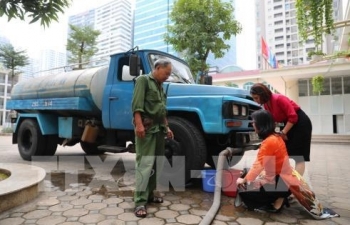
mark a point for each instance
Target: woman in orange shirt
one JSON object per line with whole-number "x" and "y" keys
{"x": 264, "y": 190}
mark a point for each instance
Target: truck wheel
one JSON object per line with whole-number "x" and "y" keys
{"x": 188, "y": 142}
{"x": 90, "y": 148}
{"x": 51, "y": 145}
{"x": 30, "y": 140}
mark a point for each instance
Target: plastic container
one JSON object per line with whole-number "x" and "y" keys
{"x": 208, "y": 180}
{"x": 229, "y": 178}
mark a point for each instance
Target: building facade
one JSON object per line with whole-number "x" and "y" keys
{"x": 114, "y": 21}
{"x": 151, "y": 20}
{"x": 277, "y": 24}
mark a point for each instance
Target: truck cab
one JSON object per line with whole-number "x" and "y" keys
{"x": 93, "y": 107}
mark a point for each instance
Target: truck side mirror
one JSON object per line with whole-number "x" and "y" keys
{"x": 134, "y": 65}
{"x": 208, "y": 80}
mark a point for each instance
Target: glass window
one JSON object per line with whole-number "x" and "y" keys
{"x": 326, "y": 87}
{"x": 302, "y": 87}
{"x": 311, "y": 90}
{"x": 346, "y": 85}
{"x": 248, "y": 85}
{"x": 337, "y": 87}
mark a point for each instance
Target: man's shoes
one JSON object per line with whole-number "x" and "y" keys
{"x": 140, "y": 211}
{"x": 156, "y": 200}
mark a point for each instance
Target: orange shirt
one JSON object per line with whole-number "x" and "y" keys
{"x": 272, "y": 158}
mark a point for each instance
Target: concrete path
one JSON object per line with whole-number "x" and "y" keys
{"x": 85, "y": 201}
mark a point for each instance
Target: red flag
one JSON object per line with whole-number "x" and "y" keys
{"x": 264, "y": 49}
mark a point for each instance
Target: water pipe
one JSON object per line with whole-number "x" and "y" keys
{"x": 218, "y": 183}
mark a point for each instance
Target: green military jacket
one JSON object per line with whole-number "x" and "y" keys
{"x": 150, "y": 100}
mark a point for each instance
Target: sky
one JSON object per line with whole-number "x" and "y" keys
{"x": 34, "y": 37}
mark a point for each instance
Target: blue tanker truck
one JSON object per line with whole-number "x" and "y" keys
{"x": 92, "y": 107}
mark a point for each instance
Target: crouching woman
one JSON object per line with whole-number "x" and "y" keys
{"x": 262, "y": 188}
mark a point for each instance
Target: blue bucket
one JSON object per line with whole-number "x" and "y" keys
{"x": 208, "y": 180}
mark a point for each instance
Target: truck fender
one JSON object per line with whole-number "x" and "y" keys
{"x": 48, "y": 124}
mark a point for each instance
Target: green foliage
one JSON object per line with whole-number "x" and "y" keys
{"x": 82, "y": 44}
{"x": 311, "y": 53}
{"x": 231, "y": 84}
{"x": 13, "y": 59}
{"x": 200, "y": 27}
{"x": 314, "y": 18}
{"x": 317, "y": 83}
{"x": 44, "y": 10}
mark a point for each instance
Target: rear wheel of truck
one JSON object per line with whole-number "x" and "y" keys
{"x": 30, "y": 140}
{"x": 189, "y": 145}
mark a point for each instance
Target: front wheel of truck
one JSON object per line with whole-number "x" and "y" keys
{"x": 30, "y": 140}
{"x": 185, "y": 154}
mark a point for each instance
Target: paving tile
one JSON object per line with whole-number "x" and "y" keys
{"x": 52, "y": 220}
{"x": 48, "y": 202}
{"x": 111, "y": 222}
{"x": 75, "y": 212}
{"x": 92, "y": 218}
{"x": 36, "y": 214}
{"x": 80, "y": 201}
{"x": 250, "y": 221}
{"x": 179, "y": 207}
{"x": 128, "y": 217}
{"x": 166, "y": 214}
{"x": 111, "y": 211}
{"x": 12, "y": 221}
{"x": 61, "y": 207}
{"x": 151, "y": 221}
{"x": 189, "y": 219}
{"x": 71, "y": 223}
{"x": 95, "y": 206}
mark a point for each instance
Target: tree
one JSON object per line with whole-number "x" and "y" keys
{"x": 82, "y": 44}
{"x": 200, "y": 27}
{"x": 44, "y": 10}
{"x": 13, "y": 59}
{"x": 314, "y": 18}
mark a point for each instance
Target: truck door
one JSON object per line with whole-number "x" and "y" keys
{"x": 120, "y": 96}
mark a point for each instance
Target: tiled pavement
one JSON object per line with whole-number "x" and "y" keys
{"x": 82, "y": 203}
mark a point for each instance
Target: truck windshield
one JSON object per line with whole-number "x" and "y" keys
{"x": 181, "y": 73}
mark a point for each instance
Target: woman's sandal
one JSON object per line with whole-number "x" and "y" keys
{"x": 140, "y": 211}
{"x": 156, "y": 200}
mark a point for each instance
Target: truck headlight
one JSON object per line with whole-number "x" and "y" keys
{"x": 244, "y": 111}
{"x": 235, "y": 110}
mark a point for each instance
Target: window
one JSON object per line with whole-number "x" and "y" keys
{"x": 302, "y": 87}
{"x": 337, "y": 87}
{"x": 248, "y": 86}
{"x": 346, "y": 85}
{"x": 326, "y": 87}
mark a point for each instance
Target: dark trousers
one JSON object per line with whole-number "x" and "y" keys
{"x": 255, "y": 198}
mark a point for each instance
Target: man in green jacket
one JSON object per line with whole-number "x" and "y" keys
{"x": 151, "y": 127}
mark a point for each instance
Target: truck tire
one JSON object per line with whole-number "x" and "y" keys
{"x": 90, "y": 148}
{"x": 30, "y": 140}
{"x": 51, "y": 145}
{"x": 188, "y": 142}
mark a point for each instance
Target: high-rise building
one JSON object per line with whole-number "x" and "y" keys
{"x": 51, "y": 62}
{"x": 114, "y": 21}
{"x": 151, "y": 19}
{"x": 277, "y": 24}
